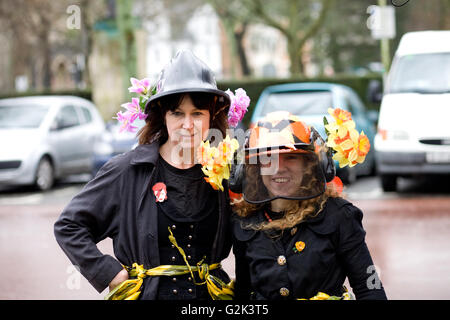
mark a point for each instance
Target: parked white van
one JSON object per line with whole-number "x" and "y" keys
{"x": 413, "y": 135}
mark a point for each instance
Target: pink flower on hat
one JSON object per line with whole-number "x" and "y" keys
{"x": 139, "y": 86}
{"x": 126, "y": 120}
{"x": 238, "y": 107}
{"x": 134, "y": 107}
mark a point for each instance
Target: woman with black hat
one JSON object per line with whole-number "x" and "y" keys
{"x": 170, "y": 228}
{"x": 294, "y": 236}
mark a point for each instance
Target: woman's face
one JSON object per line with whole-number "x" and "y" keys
{"x": 187, "y": 126}
{"x": 286, "y": 181}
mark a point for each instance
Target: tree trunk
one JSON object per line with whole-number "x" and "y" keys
{"x": 239, "y": 36}
{"x": 294, "y": 50}
{"x": 125, "y": 26}
{"x": 229, "y": 31}
{"x": 86, "y": 39}
{"x": 46, "y": 56}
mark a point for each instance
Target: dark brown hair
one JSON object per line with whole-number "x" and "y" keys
{"x": 155, "y": 128}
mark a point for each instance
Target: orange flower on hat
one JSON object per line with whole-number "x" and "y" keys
{"x": 340, "y": 115}
{"x": 350, "y": 147}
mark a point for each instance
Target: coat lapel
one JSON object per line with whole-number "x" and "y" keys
{"x": 146, "y": 157}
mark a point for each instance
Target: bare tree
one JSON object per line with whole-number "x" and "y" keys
{"x": 235, "y": 17}
{"x": 297, "y": 20}
{"x": 91, "y": 12}
{"x": 37, "y": 27}
{"x": 31, "y": 23}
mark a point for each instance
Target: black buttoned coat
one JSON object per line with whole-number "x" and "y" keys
{"x": 119, "y": 203}
{"x": 268, "y": 267}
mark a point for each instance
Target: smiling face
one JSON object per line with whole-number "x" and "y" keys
{"x": 286, "y": 181}
{"x": 187, "y": 125}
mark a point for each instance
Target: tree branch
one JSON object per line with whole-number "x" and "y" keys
{"x": 326, "y": 4}
{"x": 258, "y": 9}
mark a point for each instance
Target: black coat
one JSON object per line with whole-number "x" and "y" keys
{"x": 334, "y": 249}
{"x": 119, "y": 203}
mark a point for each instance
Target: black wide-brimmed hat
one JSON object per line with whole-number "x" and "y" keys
{"x": 186, "y": 73}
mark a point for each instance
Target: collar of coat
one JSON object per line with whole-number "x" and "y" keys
{"x": 325, "y": 222}
{"x": 145, "y": 153}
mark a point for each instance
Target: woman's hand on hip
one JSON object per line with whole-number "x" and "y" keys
{"x": 118, "y": 279}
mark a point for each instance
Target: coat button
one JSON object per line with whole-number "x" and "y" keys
{"x": 189, "y": 279}
{"x": 174, "y": 291}
{"x": 189, "y": 257}
{"x": 191, "y": 226}
{"x": 190, "y": 290}
{"x": 284, "y": 292}
{"x": 189, "y": 245}
{"x": 174, "y": 227}
{"x": 281, "y": 260}
{"x": 174, "y": 279}
{"x": 190, "y": 237}
{"x": 173, "y": 258}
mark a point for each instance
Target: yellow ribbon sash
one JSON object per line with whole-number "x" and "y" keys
{"x": 130, "y": 289}
{"x": 323, "y": 296}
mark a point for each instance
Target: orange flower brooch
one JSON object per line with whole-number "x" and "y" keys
{"x": 299, "y": 246}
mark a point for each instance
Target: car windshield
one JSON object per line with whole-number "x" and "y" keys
{"x": 423, "y": 73}
{"x": 299, "y": 102}
{"x": 22, "y": 116}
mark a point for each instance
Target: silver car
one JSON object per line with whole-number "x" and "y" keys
{"x": 43, "y": 138}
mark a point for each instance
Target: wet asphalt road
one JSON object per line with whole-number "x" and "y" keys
{"x": 408, "y": 234}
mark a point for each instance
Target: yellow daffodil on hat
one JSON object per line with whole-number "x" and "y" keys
{"x": 216, "y": 161}
{"x": 350, "y": 146}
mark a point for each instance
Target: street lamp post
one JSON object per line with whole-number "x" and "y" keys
{"x": 385, "y": 46}
{"x": 382, "y": 25}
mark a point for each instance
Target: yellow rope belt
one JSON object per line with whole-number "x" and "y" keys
{"x": 130, "y": 289}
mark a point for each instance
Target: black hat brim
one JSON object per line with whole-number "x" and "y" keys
{"x": 153, "y": 99}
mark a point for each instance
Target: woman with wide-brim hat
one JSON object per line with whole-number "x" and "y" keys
{"x": 170, "y": 228}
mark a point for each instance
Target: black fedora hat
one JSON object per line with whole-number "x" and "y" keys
{"x": 183, "y": 74}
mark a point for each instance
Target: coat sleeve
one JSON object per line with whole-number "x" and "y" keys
{"x": 242, "y": 270}
{"x": 356, "y": 258}
{"x": 90, "y": 217}
{"x": 242, "y": 285}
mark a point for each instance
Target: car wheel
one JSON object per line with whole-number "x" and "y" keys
{"x": 44, "y": 175}
{"x": 388, "y": 182}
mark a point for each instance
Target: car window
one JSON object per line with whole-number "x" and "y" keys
{"x": 351, "y": 102}
{"x": 422, "y": 73}
{"x": 87, "y": 116}
{"x": 22, "y": 116}
{"x": 349, "y": 105}
{"x": 299, "y": 102}
{"x": 67, "y": 117}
